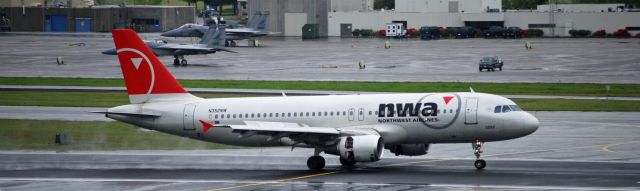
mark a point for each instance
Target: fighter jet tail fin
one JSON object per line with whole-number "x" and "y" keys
{"x": 215, "y": 36}
{"x": 146, "y": 78}
{"x": 259, "y": 21}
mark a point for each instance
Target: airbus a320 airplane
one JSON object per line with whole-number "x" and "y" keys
{"x": 357, "y": 128}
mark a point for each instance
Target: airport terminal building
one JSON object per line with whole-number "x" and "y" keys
{"x": 338, "y": 18}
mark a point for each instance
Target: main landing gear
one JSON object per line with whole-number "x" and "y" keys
{"x": 477, "y": 149}
{"x": 316, "y": 162}
{"x": 179, "y": 60}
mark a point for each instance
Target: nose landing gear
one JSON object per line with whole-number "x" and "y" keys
{"x": 178, "y": 60}
{"x": 477, "y": 150}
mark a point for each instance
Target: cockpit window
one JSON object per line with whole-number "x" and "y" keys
{"x": 515, "y": 108}
{"x": 505, "y": 108}
{"x": 498, "y": 109}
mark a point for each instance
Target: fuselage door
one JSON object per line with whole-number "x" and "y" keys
{"x": 471, "y": 111}
{"x": 187, "y": 120}
{"x": 352, "y": 113}
{"x": 361, "y": 114}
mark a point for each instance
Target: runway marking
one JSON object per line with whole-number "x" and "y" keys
{"x": 607, "y": 146}
{"x": 116, "y": 180}
{"x": 275, "y": 181}
{"x": 511, "y": 153}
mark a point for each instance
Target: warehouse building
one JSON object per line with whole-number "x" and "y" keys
{"x": 554, "y": 21}
{"x": 288, "y": 16}
{"x": 83, "y": 16}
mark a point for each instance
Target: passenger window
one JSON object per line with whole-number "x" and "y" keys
{"x": 344, "y": 113}
{"x": 222, "y": 116}
{"x": 228, "y": 116}
{"x": 216, "y": 116}
{"x": 258, "y": 115}
{"x": 438, "y": 111}
{"x": 264, "y": 115}
{"x": 307, "y": 114}
{"x": 505, "y": 108}
{"x": 376, "y": 112}
{"x": 325, "y": 113}
{"x": 240, "y": 116}
{"x": 252, "y": 115}
{"x": 450, "y": 110}
{"x": 288, "y": 114}
{"x": 332, "y": 113}
{"x": 277, "y": 114}
{"x": 295, "y": 114}
{"x": 444, "y": 111}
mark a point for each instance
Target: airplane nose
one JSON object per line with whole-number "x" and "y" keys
{"x": 531, "y": 123}
{"x": 111, "y": 51}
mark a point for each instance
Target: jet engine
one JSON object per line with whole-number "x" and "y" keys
{"x": 409, "y": 149}
{"x": 361, "y": 148}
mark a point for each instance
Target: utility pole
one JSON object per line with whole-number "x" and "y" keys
{"x": 552, "y": 21}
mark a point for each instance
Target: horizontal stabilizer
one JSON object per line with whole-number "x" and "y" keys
{"x": 149, "y": 115}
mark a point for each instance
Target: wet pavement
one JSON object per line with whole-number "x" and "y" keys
{"x": 570, "y": 151}
{"x": 590, "y": 60}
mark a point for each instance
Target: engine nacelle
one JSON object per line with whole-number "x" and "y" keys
{"x": 361, "y": 148}
{"x": 409, "y": 149}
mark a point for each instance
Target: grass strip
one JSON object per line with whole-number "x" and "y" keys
{"x": 111, "y": 99}
{"x": 562, "y": 89}
{"x": 40, "y": 135}
{"x": 577, "y": 105}
{"x": 79, "y": 99}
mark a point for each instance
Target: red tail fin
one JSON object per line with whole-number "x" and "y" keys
{"x": 144, "y": 74}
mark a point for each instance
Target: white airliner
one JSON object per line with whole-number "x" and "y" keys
{"x": 354, "y": 127}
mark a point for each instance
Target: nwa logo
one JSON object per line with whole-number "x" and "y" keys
{"x": 437, "y": 111}
{"x": 408, "y": 109}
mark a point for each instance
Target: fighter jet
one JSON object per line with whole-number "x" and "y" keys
{"x": 211, "y": 42}
{"x": 256, "y": 27}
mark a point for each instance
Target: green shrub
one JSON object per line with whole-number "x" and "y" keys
{"x": 356, "y": 32}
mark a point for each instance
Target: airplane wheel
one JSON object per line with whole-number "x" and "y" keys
{"x": 233, "y": 43}
{"x": 184, "y": 62}
{"x": 346, "y": 162}
{"x": 176, "y": 62}
{"x": 500, "y": 68}
{"x": 480, "y": 164}
{"x": 315, "y": 163}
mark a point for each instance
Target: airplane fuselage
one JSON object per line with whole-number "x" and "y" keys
{"x": 409, "y": 118}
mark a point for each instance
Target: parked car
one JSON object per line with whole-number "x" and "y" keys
{"x": 429, "y": 33}
{"x": 490, "y": 63}
{"x": 465, "y": 32}
{"x": 512, "y": 32}
{"x": 494, "y": 32}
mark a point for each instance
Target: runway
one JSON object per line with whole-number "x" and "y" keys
{"x": 570, "y": 151}
{"x": 565, "y": 60}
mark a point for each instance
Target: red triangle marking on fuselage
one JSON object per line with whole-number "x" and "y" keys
{"x": 447, "y": 99}
{"x": 205, "y": 126}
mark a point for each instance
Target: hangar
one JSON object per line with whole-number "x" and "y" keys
{"x": 333, "y": 16}
{"x": 82, "y": 16}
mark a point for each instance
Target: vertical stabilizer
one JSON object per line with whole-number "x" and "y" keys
{"x": 214, "y": 37}
{"x": 146, "y": 78}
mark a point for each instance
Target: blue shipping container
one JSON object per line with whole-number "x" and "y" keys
{"x": 83, "y": 24}
{"x": 58, "y": 23}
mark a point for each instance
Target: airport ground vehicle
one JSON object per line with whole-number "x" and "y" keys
{"x": 430, "y": 33}
{"x": 512, "y": 32}
{"x": 490, "y": 63}
{"x": 494, "y": 32}
{"x": 355, "y": 128}
{"x": 465, "y": 32}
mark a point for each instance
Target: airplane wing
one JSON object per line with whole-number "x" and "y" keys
{"x": 191, "y": 47}
{"x": 301, "y": 133}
